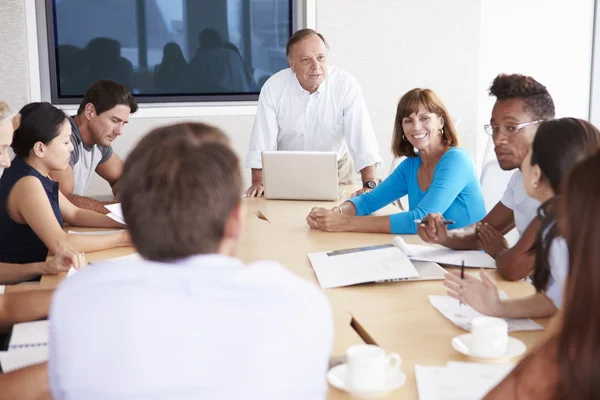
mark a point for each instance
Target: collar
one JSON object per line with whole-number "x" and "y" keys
{"x": 216, "y": 261}
{"x": 300, "y": 90}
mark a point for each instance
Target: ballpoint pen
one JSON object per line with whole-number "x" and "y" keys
{"x": 425, "y": 222}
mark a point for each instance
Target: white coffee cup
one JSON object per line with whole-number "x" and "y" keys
{"x": 489, "y": 337}
{"x": 369, "y": 367}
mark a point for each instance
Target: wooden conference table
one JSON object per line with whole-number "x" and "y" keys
{"x": 396, "y": 316}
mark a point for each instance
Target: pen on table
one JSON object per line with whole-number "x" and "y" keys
{"x": 462, "y": 275}
{"x": 425, "y": 222}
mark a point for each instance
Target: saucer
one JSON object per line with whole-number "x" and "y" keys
{"x": 337, "y": 378}
{"x": 515, "y": 348}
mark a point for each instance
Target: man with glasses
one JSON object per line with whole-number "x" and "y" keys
{"x": 521, "y": 104}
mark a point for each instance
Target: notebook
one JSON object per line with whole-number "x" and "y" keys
{"x": 369, "y": 264}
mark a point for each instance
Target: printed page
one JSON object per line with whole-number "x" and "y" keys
{"x": 361, "y": 265}
{"x": 458, "y": 381}
{"x": 472, "y": 258}
{"x": 427, "y": 378}
{"x": 462, "y": 315}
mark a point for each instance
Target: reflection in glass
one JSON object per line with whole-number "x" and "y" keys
{"x": 170, "y": 47}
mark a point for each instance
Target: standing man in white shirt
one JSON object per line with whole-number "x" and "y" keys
{"x": 311, "y": 107}
{"x": 189, "y": 320}
{"x": 102, "y": 114}
{"x": 521, "y": 104}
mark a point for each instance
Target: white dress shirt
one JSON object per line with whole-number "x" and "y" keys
{"x": 524, "y": 207}
{"x": 207, "y": 327}
{"x": 334, "y": 118}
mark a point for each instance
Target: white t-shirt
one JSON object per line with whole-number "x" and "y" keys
{"x": 206, "y": 327}
{"x": 334, "y": 118}
{"x": 558, "y": 258}
{"x": 524, "y": 207}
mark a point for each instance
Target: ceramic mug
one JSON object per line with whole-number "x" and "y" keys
{"x": 369, "y": 367}
{"x": 489, "y": 337}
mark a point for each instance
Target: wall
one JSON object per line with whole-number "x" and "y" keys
{"x": 550, "y": 40}
{"x": 393, "y": 46}
{"x": 454, "y": 47}
{"x": 14, "y": 68}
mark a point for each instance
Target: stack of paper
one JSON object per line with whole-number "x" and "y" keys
{"x": 459, "y": 380}
{"x": 462, "y": 315}
{"x": 361, "y": 265}
{"x": 115, "y": 212}
{"x": 28, "y": 345}
{"x": 471, "y": 258}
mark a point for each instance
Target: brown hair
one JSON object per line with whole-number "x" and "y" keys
{"x": 516, "y": 86}
{"x": 178, "y": 189}
{"x": 557, "y": 146}
{"x": 579, "y": 337}
{"x": 105, "y": 94}
{"x": 574, "y": 350}
{"x": 300, "y": 35}
{"x": 408, "y": 104}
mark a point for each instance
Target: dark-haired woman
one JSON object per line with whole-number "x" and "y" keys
{"x": 565, "y": 365}
{"x": 558, "y": 145}
{"x": 32, "y": 209}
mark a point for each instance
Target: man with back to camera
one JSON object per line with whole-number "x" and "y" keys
{"x": 102, "y": 114}
{"x": 311, "y": 107}
{"x": 521, "y": 104}
{"x": 189, "y": 320}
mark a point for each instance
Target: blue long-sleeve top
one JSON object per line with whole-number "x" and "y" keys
{"x": 454, "y": 192}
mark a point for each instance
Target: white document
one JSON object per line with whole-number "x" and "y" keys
{"x": 361, "y": 265}
{"x": 458, "y": 380}
{"x": 115, "y": 212}
{"x": 472, "y": 258}
{"x": 94, "y": 233}
{"x": 462, "y": 315}
{"x": 23, "y": 357}
{"x": 1, "y": 289}
{"x": 29, "y": 334}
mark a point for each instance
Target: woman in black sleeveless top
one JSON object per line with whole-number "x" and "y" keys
{"x": 32, "y": 209}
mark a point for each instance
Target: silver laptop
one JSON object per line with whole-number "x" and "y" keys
{"x": 300, "y": 175}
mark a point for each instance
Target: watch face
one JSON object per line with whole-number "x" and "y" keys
{"x": 370, "y": 184}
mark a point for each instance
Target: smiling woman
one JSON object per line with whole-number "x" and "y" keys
{"x": 437, "y": 176}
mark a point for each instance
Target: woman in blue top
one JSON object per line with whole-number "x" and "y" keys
{"x": 32, "y": 208}
{"x": 436, "y": 175}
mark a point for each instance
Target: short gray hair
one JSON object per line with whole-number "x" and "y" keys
{"x": 300, "y": 35}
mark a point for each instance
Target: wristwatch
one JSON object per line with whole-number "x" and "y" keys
{"x": 370, "y": 184}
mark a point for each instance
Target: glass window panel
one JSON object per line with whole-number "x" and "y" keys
{"x": 168, "y": 49}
